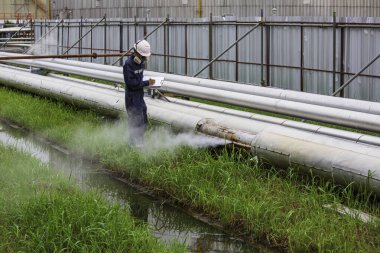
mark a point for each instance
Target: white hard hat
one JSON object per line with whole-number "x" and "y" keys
{"x": 143, "y": 48}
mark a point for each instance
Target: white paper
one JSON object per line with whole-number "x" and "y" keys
{"x": 159, "y": 80}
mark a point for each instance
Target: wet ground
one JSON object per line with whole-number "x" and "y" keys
{"x": 166, "y": 222}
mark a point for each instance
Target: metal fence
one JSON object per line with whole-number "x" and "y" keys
{"x": 308, "y": 54}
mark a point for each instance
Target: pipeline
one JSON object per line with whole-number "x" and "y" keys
{"x": 352, "y": 136}
{"x": 119, "y": 78}
{"x": 289, "y": 95}
{"x": 345, "y": 161}
{"x": 348, "y": 118}
{"x": 60, "y": 56}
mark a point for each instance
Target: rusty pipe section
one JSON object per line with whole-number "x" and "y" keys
{"x": 210, "y": 127}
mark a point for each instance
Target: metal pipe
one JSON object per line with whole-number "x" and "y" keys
{"x": 262, "y": 81}
{"x": 32, "y": 57}
{"x": 231, "y": 46}
{"x": 80, "y": 39}
{"x": 342, "y": 134}
{"x": 345, "y": 161}
{"x": 358, "y": 120}
{"x": 338, "y": 116}
{"x": 334, "y": 51}
{"x": 275, "y": 23}
{"x": 342, "y": 58}
{"x": 289, "y": 95}
{"x": 337, "y": 133}
{"x": 210, "y": 49}
{"x": 357, "y": 74}
{"x": 302, "y": 60}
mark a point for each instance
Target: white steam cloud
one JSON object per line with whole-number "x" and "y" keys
{"x": 162, "y": 138}
{"x": 114, "y": 135}
{"x": 47, "y": 45}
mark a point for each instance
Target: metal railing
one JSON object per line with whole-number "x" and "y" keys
{"x": 181, "y": 33}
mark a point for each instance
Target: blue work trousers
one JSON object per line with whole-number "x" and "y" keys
{"x": 137, "y": 116}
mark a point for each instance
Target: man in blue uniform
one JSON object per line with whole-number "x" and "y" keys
{"x": 133, "y": 71}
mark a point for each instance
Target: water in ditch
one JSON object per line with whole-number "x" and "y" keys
{"x": 166, "y": 222}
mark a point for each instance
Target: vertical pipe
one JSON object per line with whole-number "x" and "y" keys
{"x": 268, "y": 48}
{"x": 128, "y": 36}
{"x": 186, "y": 52}
{"x": 135, "y": 28}
{"x": 262, "y": 81}
{"x": 210, "y": 49}
{"x": 46, "y": 42}
{"x": 80, "y": 36}
{"x": 342, "y": 59}
{"x": 68, "y": 36}
{"x": 58, "y": 39}
{"x": 168, "y": 43}
{"x": 334, "y": 50}
{"x": 91, "y": 42}
{"x": 145, "y": 26}
{"x": 105, "y": 40}
{"x": 236, "y": 53}
{"x": 121, "y": 38}
{"x": 302, "y": 88}
{"x": 165, "y": 50}
{"x": 63, "y": 28}
{"x": 40, "y": 29}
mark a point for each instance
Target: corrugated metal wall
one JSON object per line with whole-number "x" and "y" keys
{"x": 295, "y": 57}
{"x": 202, "y": 8}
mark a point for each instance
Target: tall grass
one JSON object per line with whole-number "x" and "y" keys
{"x": 271, "y": 206}
{"x": 41, "y": 212}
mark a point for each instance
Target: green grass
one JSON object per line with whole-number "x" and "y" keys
{"x": 266, "y": 205}
{"x": 40, "y": 211}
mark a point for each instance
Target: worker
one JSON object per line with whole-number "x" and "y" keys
{"x": 133, "y": 71}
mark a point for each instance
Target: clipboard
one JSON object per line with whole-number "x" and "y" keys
{"x": 159, "y": 81}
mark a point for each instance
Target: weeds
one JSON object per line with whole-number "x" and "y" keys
{"x": 268, "y": 205}
{"x": 41, "y": 212}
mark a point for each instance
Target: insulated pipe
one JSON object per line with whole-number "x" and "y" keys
{"x": 256, "y": 127}
{"x": 342, "y": 117}
{"x": 111, "y": 102}
{"x": 352, "y": 136}
{"x": 297, "y": 96}
{"x": 290, "y": 95}
{"x": 281, "y": 146}
{"x": 329, "y": 162}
